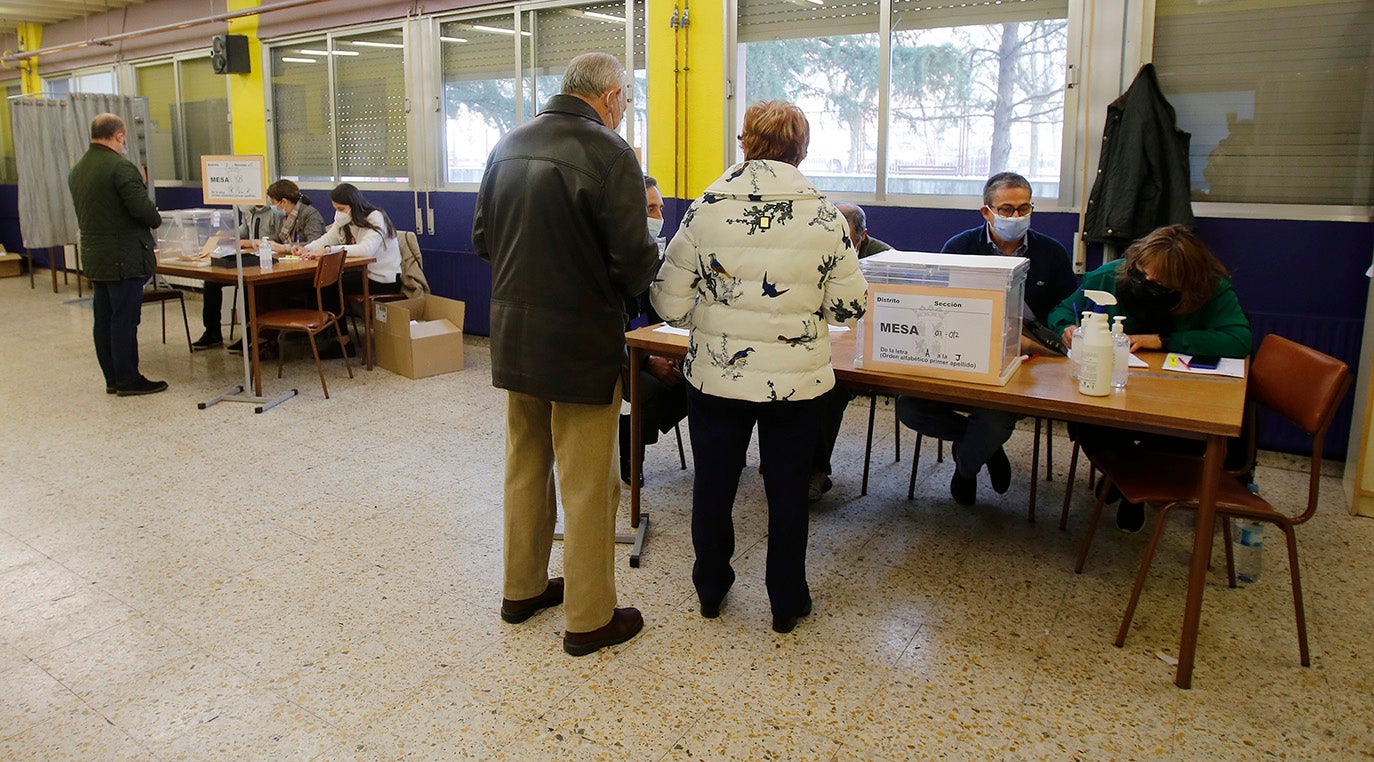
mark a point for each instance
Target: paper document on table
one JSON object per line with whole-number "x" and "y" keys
{"x": 1228, "y": 366}
{"x": 838, "y": 328}
{"x": 665, "y": 328}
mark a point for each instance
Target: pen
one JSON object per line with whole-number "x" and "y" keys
{"x": 1182, "y": 362}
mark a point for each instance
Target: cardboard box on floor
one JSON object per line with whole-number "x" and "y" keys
{"x": 419, "y": 337}
{"x": 9, "y": 264}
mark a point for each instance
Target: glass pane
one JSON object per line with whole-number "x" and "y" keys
{"x": 205, "y": 107}
{"x": 157, "y": 85}
{"x": 370, "y": 106}
{"x": 98, "y": 82}
{"x": 300, "y": 112}
{"x": 1276, "y": 95}
{"x": 8, "y": 172}
{"x": 479, "y": 92}
{"x": 834, "y": 80}
{"x": 970, "y": 101}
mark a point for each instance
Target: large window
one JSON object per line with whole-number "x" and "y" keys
{"x": 1277, "y": 95}
{"x": 354, "y": 131}
{"x": 189, "y": 107}
{"x": 481, "y": 85}
{"x": 974, "y": 89}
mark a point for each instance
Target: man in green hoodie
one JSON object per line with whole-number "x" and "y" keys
{"x": 116, "y": 218}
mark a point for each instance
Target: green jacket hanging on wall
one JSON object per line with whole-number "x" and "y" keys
{"x": 115, "y": 215}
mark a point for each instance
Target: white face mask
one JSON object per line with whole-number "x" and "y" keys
{"x": 655, "y": 227}
{"x": 1010, "y": 228}
{"x": 341, "y": 219}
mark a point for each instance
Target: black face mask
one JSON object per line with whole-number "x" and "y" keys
{"x": 1147, "y": 304}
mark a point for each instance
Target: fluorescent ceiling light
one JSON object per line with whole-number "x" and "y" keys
{"x": 299, "y": 60}
{"x": 371, "y": 44}
{"x": 604, "y": 17}
{"x": 498, "y": 30}
{"x": 452, "y": 39}
{"x": 312, "y": 52}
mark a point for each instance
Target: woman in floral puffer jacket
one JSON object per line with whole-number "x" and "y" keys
{"x": 760, "y": 264}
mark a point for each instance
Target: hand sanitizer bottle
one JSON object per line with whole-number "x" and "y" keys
{"x": 265, "y": 254}
{"x": 1121, "y": 352}
{"x": 1095, "y": 366}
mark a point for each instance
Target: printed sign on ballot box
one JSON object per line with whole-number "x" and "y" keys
{"x": 934, "y": 331}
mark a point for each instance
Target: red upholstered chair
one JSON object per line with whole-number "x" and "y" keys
{"x": 313, "y": 322}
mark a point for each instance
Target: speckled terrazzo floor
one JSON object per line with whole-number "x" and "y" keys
{"x": 321, "y": 582}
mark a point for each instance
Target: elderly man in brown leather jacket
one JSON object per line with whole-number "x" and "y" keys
{"x": 560, "y": 216}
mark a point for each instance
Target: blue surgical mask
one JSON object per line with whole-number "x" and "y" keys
{"x": 278, "y": 212}
{"x": 655, "y": 226}
{"x": 1010, "y": 228}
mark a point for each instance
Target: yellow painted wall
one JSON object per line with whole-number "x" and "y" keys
{"x": 247, "y": 103}
{"x": 686, "y": 96}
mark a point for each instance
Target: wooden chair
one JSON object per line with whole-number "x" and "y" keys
{"x": 312, "y": 322}
{"x": 1298, "y": 383}
{"x": 158, "y": 292}
{"x": 1035, "y": 462}
{"x": 413, "y": 285}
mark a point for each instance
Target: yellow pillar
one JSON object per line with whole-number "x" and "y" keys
{"x": 687, "y": 97}
{"x": 30, "y": 38}
{"x": 247, "y": 103}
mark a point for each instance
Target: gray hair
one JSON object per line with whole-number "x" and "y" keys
{"x": 1003, "y": 180}
{"x": 854, "y": 215}
{"x": 591, "y": 74}
{"x": 650, "y": 182}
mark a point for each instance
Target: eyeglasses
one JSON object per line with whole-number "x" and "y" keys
{"x": 1007, "y": 210}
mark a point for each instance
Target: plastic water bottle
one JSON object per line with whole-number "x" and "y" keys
{"x": 1247, "y": 548}
{"x": 265, "y": 254}
{"x": 1121, "y": 349}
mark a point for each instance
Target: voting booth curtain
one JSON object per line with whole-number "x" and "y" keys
{"x": 50, "y": 135}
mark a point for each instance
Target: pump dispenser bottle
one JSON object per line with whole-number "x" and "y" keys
{"x": 1121, "y": 352}
{"x": 1095, "y": 367}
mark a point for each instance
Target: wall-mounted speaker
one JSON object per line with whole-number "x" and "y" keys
{"x": 229, "y": 54}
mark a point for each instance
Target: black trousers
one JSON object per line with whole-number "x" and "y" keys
{"x": 834, "y": 403}
{"x": 720, "y": 431}
{"x": 661, "y": 407}
{"x": 118, "y": 308}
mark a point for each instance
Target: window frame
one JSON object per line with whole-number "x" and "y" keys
{"x": 328, "y": 37}
{"x": 1072, "y": 153}
{"x": 525, "y": 87}
{"x": 129, "y": 73}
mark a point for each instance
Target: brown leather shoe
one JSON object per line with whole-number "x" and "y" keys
{"x": 516, "y": 612}
{"x": 625, "y": 624}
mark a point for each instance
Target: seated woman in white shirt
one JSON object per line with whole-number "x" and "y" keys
{"x": 365, "y": 231}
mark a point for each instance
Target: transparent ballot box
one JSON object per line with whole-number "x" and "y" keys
{"x": 194, "y": 236}
{"x": 944, "y": 315}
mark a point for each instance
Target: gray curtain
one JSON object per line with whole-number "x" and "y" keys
{"x": 46, "y": 215}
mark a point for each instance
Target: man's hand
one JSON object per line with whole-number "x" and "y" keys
{"x": 664, "y": 370}
{"x": 1067, "y": 336}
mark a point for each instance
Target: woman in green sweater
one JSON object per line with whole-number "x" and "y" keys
{"x": 1176, "y": 297}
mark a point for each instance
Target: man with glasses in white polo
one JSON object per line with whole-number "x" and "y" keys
{"x": 978, "y": 436}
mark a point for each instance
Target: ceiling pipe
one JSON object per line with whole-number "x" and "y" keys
{"x": 14, "y": 58}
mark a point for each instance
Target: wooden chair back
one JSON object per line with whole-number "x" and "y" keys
{"x": 1303, "y": 386}
{"x": 328, "y": 273}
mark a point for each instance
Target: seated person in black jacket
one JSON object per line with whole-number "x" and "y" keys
{"x": 978, "y": 436}
{"x": 837, "y": 399}
{"x": 662, "y": 395}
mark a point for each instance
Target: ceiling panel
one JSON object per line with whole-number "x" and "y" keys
{"x": 15, "y": 12}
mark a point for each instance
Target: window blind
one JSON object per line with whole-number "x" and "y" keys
{"x": 1275, "y": 94}
{"x": 761, "y": 20}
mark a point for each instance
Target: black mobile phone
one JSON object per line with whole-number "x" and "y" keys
{"x": 1204, "y": 362}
